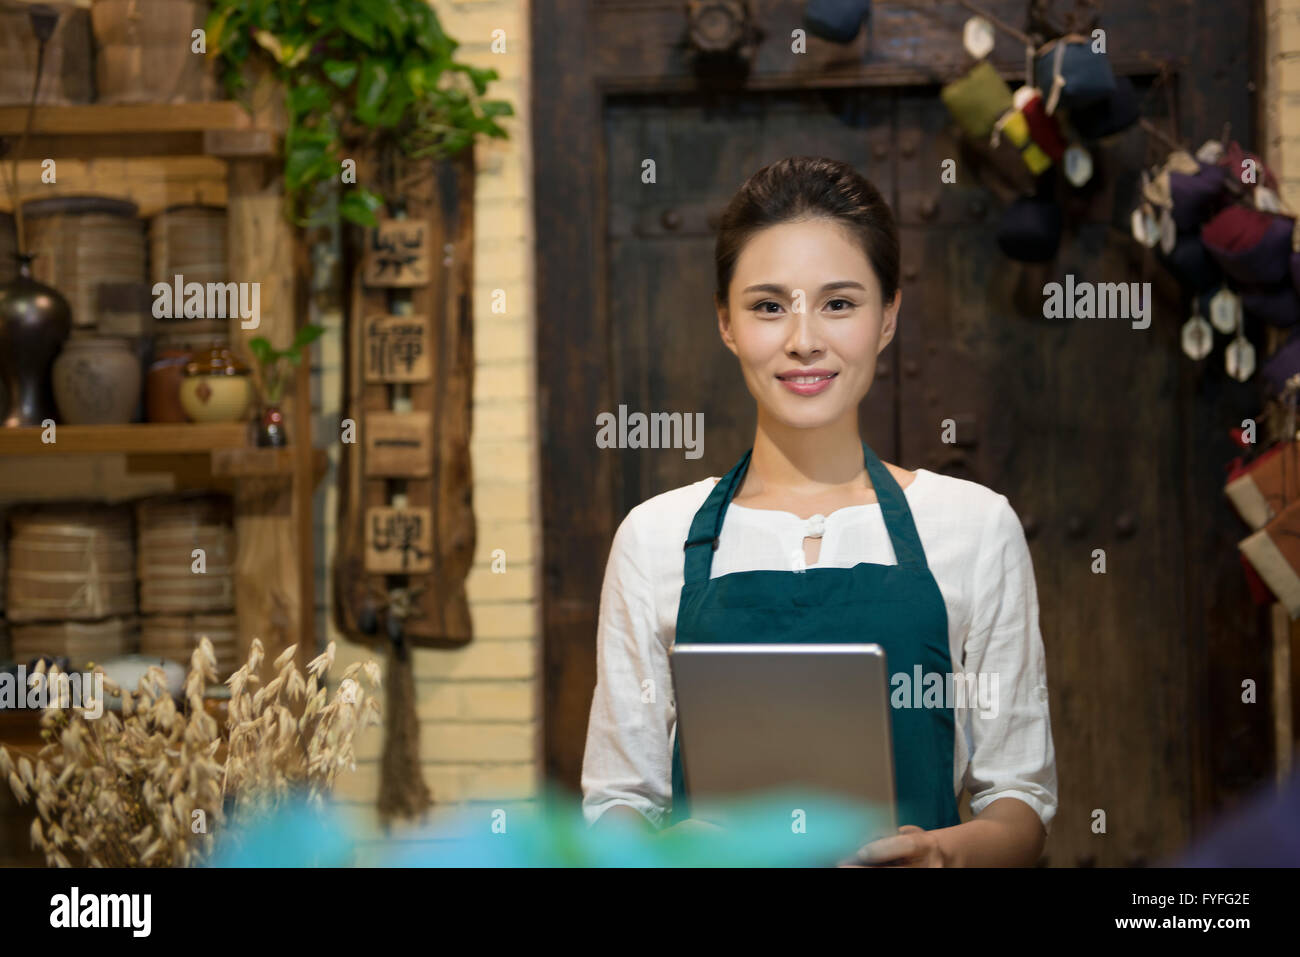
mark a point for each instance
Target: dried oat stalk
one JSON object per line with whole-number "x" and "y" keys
{"x": 154, "y": 785}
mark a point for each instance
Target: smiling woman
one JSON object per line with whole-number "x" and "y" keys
{"x": 937, "y": 572}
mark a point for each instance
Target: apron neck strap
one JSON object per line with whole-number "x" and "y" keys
{"x": 706, "y": 528}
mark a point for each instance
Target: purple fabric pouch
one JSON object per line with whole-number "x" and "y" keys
{"x": 1196, "y": 197}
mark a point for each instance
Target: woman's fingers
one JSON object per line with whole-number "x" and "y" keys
{"x": 885, "y": 849}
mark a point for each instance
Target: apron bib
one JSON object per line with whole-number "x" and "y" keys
{"x": 898, "y": 607}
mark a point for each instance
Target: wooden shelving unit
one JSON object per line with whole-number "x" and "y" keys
{"x": 274, "y": 588}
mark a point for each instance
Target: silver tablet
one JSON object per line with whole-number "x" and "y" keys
{"x": 797, "y": 719}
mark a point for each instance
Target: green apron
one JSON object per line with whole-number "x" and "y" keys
{"x": 898, "y": 607}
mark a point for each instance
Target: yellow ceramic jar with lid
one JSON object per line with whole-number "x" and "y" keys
{"x": 216, "y": 386}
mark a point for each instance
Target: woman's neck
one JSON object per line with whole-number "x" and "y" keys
{"x": 805, "y": 461}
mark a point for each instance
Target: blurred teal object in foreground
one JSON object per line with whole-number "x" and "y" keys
{"x": 772, "y": 831}
{"x": 296, "y": 835}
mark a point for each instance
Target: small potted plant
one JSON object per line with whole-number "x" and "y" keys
{"x": 273, "y": 376}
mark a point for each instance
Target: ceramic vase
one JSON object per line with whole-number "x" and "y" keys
{"x": 96, "y": 381}
{"x": 34, "y": 321}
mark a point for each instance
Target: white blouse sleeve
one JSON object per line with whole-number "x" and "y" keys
{"x": 1011, "y": 751}
{"x": 628, "y": 757}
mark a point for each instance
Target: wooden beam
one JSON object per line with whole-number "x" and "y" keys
{"x": 269, "y": 564}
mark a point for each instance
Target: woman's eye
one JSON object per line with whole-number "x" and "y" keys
{"x": 846, "y": 305}
{"x": 762, "y": 307}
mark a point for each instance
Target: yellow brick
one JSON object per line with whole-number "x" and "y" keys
{"x": 500, "y": 261}
{"x": 1283, "y": 32}
{"x": 508, "y": 461}
{"x": 505, "y": 782}
{"x": 503, "y": 501}
{"x": 517, "y": 583}
{"x": 476, "y": 24}
{"x": 515, "y": 539}
{"x": 502, "y": 339}
{"x": 494, "y": 621}
{"x": 503, "y": 380}
{"x": 498, "y": 300}
{"x": 500, "y": 175}
{"x": 1284, "y": 74}
{"x": 511, "y": 419}
{"x": 479, "y": 659}
{"x": 454, "y": 741}
{"x": 476, "y": 700}
{"x": 360, "y": 785}
{"x": 1284, "y": 156}
{"x": 502, "y": 218}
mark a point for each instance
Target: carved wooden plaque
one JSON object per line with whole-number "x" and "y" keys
{"x": 397, "y": 254}
{"x": 397, "y": 349}
{"x": 397, "y": 444}
{"x": 399, "y": 540}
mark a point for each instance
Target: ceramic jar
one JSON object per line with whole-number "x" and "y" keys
{"x": 216, "y": 386}
{"x": 96, "y": 381}
{"x": 162, "y": 385}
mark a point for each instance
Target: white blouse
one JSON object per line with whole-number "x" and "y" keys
{"x": 976, "y": 550}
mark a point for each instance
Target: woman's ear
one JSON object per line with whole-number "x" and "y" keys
{"x": 889, "y": 324}
{"x": 724, "y": 326}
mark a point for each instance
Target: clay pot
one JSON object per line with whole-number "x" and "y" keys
{"x": 216, "y": 387}
{"x": 163, "y": 386}
{"x": 34, "y": 321}
{"x": 96, "y": 381}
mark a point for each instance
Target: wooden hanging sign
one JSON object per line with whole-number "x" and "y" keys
{"x": 397, "y": 254}
{"x": 397, "y": 349}
{"x": 397, "y": 444}
{"x": 399, "y": 540}
{"x": 420, "y": 340}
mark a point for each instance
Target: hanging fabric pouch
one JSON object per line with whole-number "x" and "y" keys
{"x": 1070, "y": 74}
{"x": 977, "y": 100}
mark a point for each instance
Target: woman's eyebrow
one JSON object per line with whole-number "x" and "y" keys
{"x": 778, "y": 288}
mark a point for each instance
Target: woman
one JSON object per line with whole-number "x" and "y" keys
{"x": 933, "y": 568}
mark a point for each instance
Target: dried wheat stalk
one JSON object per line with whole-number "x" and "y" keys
{"x": 149, "y": 788}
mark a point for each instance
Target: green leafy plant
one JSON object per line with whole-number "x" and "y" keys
{"x": 355, "y": 73}
{"x": 272, "y": 370}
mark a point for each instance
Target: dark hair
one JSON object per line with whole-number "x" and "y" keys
{"x": 801, "y": 187}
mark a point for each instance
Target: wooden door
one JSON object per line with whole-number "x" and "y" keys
{"x": 1036, "y": 413}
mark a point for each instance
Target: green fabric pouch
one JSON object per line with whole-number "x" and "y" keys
{"x": 977, "y": 100}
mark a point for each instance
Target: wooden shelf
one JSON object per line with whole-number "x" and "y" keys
{"x": 221, "y": 128}
{"x": 259, "y": 463}
{"x": 145, "y": 438}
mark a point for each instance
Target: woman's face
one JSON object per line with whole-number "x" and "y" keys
{"x": 805, "y": 318}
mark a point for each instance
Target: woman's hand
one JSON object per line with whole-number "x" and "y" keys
{"x": 910, "y": 847}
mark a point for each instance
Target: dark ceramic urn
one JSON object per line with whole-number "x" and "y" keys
{"x": 34, "y": 321}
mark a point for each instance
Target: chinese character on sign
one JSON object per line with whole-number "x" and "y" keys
{"x": 397, "y": 253}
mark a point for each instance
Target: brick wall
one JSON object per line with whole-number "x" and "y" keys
{"x": 478, "y": 707}
{"x": 1281, "y": 94}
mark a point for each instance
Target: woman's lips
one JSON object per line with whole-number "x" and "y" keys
{"x": 809, "y": 383}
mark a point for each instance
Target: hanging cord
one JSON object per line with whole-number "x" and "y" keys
{"x": 43, "y": 27}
